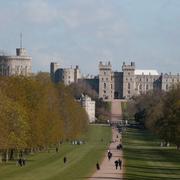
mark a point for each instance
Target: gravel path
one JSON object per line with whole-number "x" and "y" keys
{"x": 116, "y": 110}
{"x": 107, "y": 167}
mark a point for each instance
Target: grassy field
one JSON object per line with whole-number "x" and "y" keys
{"x": 146, "y": 160}
{"x": 81, "y": 160}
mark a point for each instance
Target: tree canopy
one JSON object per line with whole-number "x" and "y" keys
{"x": 35, "y": 113}
{"x": 160, "y": 112}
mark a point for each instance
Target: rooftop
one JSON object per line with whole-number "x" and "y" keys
{"x": 146, "y": 72}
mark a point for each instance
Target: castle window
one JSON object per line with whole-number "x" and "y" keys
{"x": 104, "y": 72}
{"x": 111, "y": 86}
{"x": 106, "y": 79}
{"x": 166, "y": 86}
{"x": 140, "y": 86}
{"x": 104, "y": 92}
{"x": 102, "y": 79}
{"x": 129, "y": 73}
{"x": 104, "y": 85}
{"x": 147, "y": 87}
{"x": 147, "y": 79}
{"x": 129, "y": 86}
{"x": 128, "y": 91}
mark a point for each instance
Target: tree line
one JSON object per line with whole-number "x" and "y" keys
{"x": 159, "y": 112}
{"x": 36, "y": 114}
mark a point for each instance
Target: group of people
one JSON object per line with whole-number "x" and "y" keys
{"x": 118, "y": 163}
{"x": 119, "y": 147}
{"x": 21, "y": 162}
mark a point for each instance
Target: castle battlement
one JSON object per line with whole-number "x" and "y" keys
{"x": 131, "y": 81}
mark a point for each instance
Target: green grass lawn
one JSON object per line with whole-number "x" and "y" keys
{"x": 81, "y": 160}
{"x": 146, "y": 160}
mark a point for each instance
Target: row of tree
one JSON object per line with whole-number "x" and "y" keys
{"x": 35, "y": 114}
{"x": 160, "y": 112}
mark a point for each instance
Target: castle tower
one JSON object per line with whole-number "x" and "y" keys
{"x": 54, "y": 68}
{"x": 106, "y": 82}
{"x": 128, "y": 80}
{"x": 19, "y": 64}
{"x": 77, "y": 74}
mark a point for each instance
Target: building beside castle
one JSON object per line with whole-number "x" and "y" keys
{"x": 65, "y": 75}
{"x": 131, "y": 81}
{"x": 19, "y": 64}
{"x": 89, "y": 106}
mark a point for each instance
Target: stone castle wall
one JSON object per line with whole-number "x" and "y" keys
{"x": 21, "y": 64}
{"x": 131, "y": 82}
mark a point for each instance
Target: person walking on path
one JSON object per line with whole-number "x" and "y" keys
{"x": 97, "y": 166}
{"x": 109, "y": 155}
{"x": 116, "y": 163}
{"x": 120, "y": 163}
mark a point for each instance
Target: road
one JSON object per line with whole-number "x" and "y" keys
{"x": 107, "y": 167}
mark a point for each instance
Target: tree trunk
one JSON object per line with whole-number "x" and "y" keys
{"x": 11, "y": 156}
{"x": 178, "y": 147}
{"x": 7, "y": 155}
{"x": 1, "y": 158}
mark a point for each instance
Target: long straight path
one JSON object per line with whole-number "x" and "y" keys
{"x": 107, "y": 167}
{"x": 116, "y": 110}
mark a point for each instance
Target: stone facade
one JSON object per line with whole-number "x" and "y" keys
{"x": 89, "y": 106}
{"x": 131, "y": 81}
{"x": 65, "y": 75}
{"x": 167, "y": 80}
{"x": 117, "y": 85}
{"x": 106, "y": 81}
{"x": 21, "y": 64}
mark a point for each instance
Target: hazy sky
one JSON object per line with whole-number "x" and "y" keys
{"x": 84, "y": 32}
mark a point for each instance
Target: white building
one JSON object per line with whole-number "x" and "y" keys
{"x": 89, "y": 106}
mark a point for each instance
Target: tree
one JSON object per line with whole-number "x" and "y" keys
{"x": 13, "y": 126}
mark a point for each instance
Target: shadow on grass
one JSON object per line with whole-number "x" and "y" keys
{"x": 146, "y": 160}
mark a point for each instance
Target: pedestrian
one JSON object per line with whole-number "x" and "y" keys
{"x": 121, "y": 146}
{"x": 116, "y": 164}
{"x": 57, "y": 149}
{"x": 23, "y": 162}
{"x": 65, "y": 160}
{"x": 109, "y": 155}
{"x": 20, "y": 161}
{"x": 120, "y": 163}
{"x": 97, "y": 166}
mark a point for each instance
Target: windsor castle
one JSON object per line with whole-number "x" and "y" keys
{"x": 108, "y": 84}
{"x": 117, "y": 85}
{"x": 131, "y": 81}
